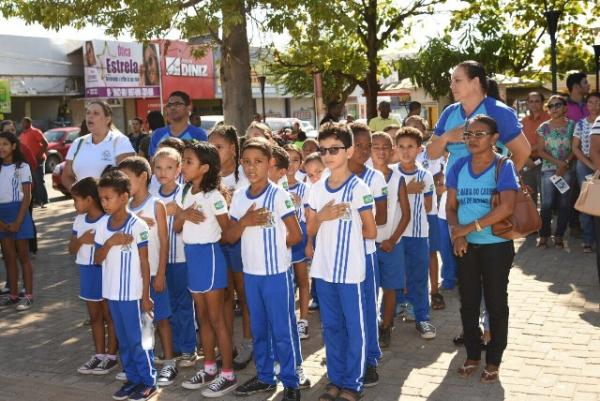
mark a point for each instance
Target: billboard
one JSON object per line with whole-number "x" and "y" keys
{"x": 4, "y": 96}
{"x": 121, "y": 69}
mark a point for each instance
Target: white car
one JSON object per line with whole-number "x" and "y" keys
{"x": 208, "y": 123}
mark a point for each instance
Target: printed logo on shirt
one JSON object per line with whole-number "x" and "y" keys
{"x": 106, "y": 156}
{"x": 144, "y": 236}
{"x": 219, "y": 205}
{"x": 289, "y": 204}
{"x": 285, "y": 185}
{"x": 384, "y": 191}
{"x": 368, "y": 199}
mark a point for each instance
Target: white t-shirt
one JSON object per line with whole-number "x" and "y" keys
{"x": 394, "y": 213}
{"x": 283, "y": 183}
{"x": 82, "y": 224}
{"x": 301, "y": 189}
{"x": 434, "y": 166}
{"x": 12, "y": 180}
{"x": 176, "y": 252}
{"x": 231, "y": 184}
{"x": 418, "y": 226}
{"x": 339, "y": 248}
{"x": 155, "y": 185}
{"x": 376, "y": 182}
{"x": 212, "y": 204}
{"x": 264, "y": 249}
{"x": 92, "y": 159}
{"x": 121, "y": 270}
{"x": 148, "y": 209}
{"x": 300, "y": 175}
{"x": 442, "y": 208}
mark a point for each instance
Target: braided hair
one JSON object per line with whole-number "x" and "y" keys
{"x": 230, "y": 134}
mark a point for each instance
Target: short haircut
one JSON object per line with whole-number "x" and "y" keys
{"x": 282, "y": 159}
{"x": 382, "y": 135}
{"x": 172, "y": 142}
{"x": 260, "y": 144}
{"x": 139, "y": 120}
{"x": 338, "y": 131}
{"x": 360, "y": 128}
{"x": 593, "y": 94}
{"x": 4, "y": 123}
{"x": 575, "y": 79}
{"x": 414, "y": 105}
{"x": 419, "y": 119}
{"x": 391, "y": 127}
{"x": 384, "y": 103}
{"x": 290, "y": 147}
{"x": 561, "y": 98}
{"x": 313, "y": 157}
{"x": 28, "y": 119}
{"x": 410, "y": 132}
{"x": 534, "y": 93}
{"x": 486, "y": 120}
{"x": 310, "y": 140}
{"x": 87, "y": 187}
{"x": 184, "y": 96}
{"x": 117, "y": 180}
{"x": 137, "y": 165}
{"x": 169, "y": 153}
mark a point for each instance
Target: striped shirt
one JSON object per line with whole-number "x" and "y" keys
{"x": 300, "y": 189}
{"x": 12, "y": 180}
{"x": 148, "y": 209}
{"x": 82, "y": 224}
{"x": 176, "y": 253}
{"x": 418, "y": 226}
{"x": 376, "y": 182}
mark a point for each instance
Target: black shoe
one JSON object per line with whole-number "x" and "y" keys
{"x": 385, "y": 337}
{"x": 371, "y": 377}
{"x": 254, "y": 386}
{"x": 291, "y": 394}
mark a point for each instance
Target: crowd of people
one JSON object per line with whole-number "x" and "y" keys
{"x": 178, "y": 232}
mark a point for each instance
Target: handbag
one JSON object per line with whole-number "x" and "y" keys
{"x": 588, "y": 201}
{"x": 525, "y": 218}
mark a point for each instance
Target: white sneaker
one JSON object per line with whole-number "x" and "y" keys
{"x": 121, "y": 376}
{"x": 219, "y": 387}
{"x": 302, "y": 329}
{"x": 88, "y": 367}
{"x": 24, "y": 304}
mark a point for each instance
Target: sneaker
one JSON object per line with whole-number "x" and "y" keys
{"x": 24, "y": 304}
{"x": 143, "y": 393}
{"x": 121, "y": 376}
{"x": 4, "y": 291}
{"x": 219, "y": 387}
{"x": 426, "y": 330}
{"x": 125, "y": 391}
{"x": 160, "y": 359}
{"x": 7, "y": 300}
{"x": 166, "y": 376}
{"x": 371, "y": 377}
{"x": 88, "y": 367}
{"x": 409, "y": 313}
{"x": 313, "y": 306}
{"x": 303, "y": 381}
{"x": 187, "y": 359}
{"x": 254, "y": 386}
{"x": 199, "y": 380}
{"x": 291, "y": 394}
{"x": 105, "y": 366}
{"x": 400, "y": 309}
{"x": 244, "y": 355}
{"x": 303, "y": 329}
{"x": 385, "y": 336}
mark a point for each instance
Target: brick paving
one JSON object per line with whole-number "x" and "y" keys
{"x": 553, "y": 351}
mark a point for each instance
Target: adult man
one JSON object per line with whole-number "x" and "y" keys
{"x": 384, "y": 120}
{"x": 334, "y": 112}
{"x": 35, "y": 140}
{"x": 178, "y": 114}
{"x": 535, "y": 116}
{"x": 578, "y": 87}
{"x": 136, "y": 134}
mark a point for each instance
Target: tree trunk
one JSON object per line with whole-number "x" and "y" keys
{"x": 235, "y": 67}
{"x": 372, "y": 44}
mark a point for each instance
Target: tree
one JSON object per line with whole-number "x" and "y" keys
{"x": 223, "y": 20}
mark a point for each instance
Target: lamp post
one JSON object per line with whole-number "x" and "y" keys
{"x": 552, "y": 20}
{"x": 597, "y": 57}
{"x": 262, "y": 79}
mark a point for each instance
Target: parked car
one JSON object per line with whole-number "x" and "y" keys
{"x": 278, "y": 123}
{"x": 306, "y": 126}
{"x": 208, "y": 123}
{"x": 56, "y": 178}
{"x": 59, "y": 142}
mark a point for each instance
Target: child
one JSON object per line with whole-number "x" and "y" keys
{"x": 16, "y": 226}
{"x": 201, "y": 219}
{"x": 173, "y": 143}
{"x": 264, "y": 218}
{"x": 225, "y": 139}
{"x": 416, "y": 249}
{"x": 167, "y": 170}
{"x": 390, "y": 248}
{"x": 91, "y": 216}
{"x": 374, "y": 179}
{"x": 279, "y": 167}
{"x": 299, "y": 192}
{"x": 122, "y": 249}
{"x": 309, "y": 146}
{"x": 340, "y": 210}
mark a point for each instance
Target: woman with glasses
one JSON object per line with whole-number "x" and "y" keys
{"x": 484, "y": 260}
{"x": 554, "y": 147}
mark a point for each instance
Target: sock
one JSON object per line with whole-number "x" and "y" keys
{"x": 210, "y": 367}
{"x": 227, "y": 374}
{"x": 110, "y": 357}
{"x": 100, "y": 356}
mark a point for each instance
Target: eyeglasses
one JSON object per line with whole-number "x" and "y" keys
{"x": 477, "y": 135}
{"x": 174, "y": 104}
{"x": 557, "y": 105}
{"x": 334, "y": 150}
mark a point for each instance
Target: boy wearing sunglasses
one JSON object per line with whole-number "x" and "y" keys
{"x": 340, "y": 215}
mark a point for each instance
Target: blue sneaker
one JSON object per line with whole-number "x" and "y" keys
{"x": 125, "y": 391}
{"x": 143, "y": 393}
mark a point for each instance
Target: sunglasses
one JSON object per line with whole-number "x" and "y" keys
{"x": 473, "y": 134}
{"x": 557, "y": 105}
{"x": 334, "y": 150}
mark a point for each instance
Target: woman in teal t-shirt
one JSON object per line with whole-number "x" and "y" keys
{"x": 484, "y": 260}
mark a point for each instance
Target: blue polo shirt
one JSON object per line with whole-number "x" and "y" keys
{"x": 159, "y": 135}
{"x": 509, "y": 126}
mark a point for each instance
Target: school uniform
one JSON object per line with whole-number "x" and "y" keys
{"x": 268, "y": 282}
{"x": 182, "y": 307}
{"x": 12, "y": 178}
{"x": 90, "y": 274}
{"x": 378, "y": 186}
{"x": 207, "y": 270}
{"x": 339, "y": 270}
{"x": 301, "y": 190}
{"x": 233, "y": 252}
{"x": 122, "y": 287}
{"x": 434, "y": 166}
{"x": 416, "y": 245}
{"x": 155, "y": 184}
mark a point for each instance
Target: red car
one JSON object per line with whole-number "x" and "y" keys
{"x": 57, "y": 179}
{"x": 59, "y": 142}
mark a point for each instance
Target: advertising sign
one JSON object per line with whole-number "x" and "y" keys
{"x": 4, "y": 96}
{"x": 121, "y": 69}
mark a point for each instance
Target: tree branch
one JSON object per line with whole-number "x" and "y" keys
{"x": 410, "y": 12}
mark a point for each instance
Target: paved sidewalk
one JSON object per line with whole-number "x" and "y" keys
{"x": 553, "y": 351}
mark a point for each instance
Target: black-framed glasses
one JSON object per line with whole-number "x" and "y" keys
{"x": 333, "y": 150}
{"x": 475, "y": 134}
{"x": 174, "y": 104}
{"x": 557, "y": 105}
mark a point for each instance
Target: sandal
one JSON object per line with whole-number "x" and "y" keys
{"x": 542, "y": 243}
{"x": 466, "y": 371}
{"x": 488, "y": 377}
{"x": 348, "y": 395}
{"x": 437, "y": 301}
{"x": 558, "y": 242}
{"x": 331, "y": 393}
{"x": 587, "y": 249}
{"x": 459, "y": 340}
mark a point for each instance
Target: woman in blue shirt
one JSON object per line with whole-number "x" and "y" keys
{"x": 484, "y": 260}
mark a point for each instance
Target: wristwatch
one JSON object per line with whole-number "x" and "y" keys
{"x": 477, "y": 226}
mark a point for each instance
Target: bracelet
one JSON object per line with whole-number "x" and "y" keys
{"x": 477, "y": 225}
